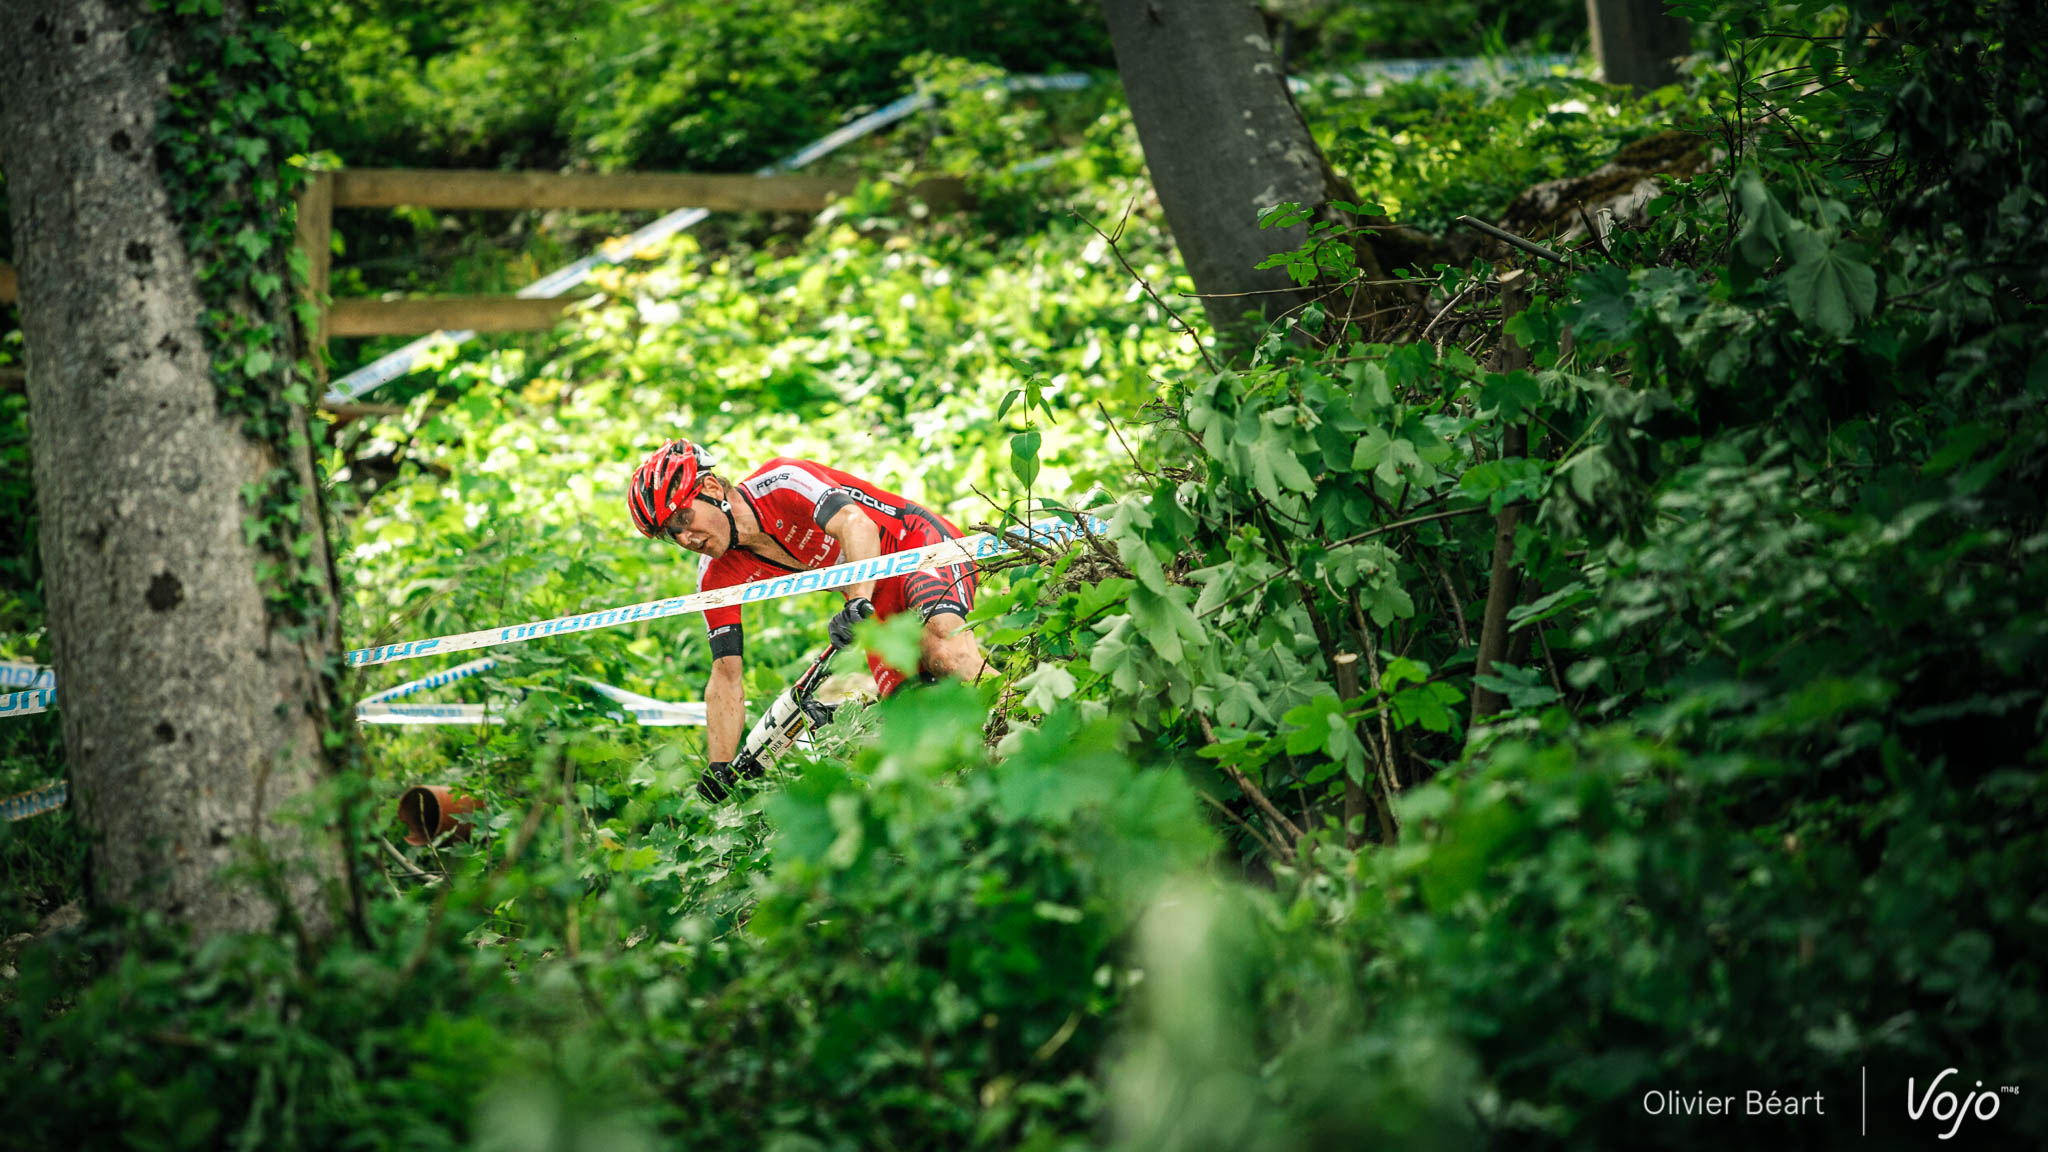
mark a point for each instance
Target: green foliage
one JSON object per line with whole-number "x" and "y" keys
{"x": 1760, "y": 802}
{"x": 1433, "y": 149}
{"x": 690, "y": 86}
{"x": 42, "y": 857}
{"x": 914, "y": 946}
{"x": 1336, "y": 34}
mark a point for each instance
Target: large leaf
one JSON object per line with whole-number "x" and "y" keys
{"x": 1830, "y": 288}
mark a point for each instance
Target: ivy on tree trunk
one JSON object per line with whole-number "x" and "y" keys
{"x": 190, "y": 599}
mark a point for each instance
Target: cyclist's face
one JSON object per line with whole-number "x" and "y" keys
{"x": 699, "y": 527}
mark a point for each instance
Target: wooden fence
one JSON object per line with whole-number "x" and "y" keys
{"x": 516, "y": 192}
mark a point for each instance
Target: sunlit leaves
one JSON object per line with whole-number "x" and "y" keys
{"x": 1046, "y": 685}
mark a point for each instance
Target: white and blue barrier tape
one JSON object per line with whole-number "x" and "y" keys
{"x": 652, "y": 714}
{"x": 980, "y": 546}
{"x": 16, "y": 674}
{"x": 27, "y": 703}
{"x": 445, "y": 676}
{"x": 26, "y": 804}
{"x": 376, "y": 709}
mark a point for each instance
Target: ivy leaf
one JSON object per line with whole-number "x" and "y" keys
{"x": 1523, "y": 687}
{"x": 1321, "y": 726}
{"x": 1369, "y": 389}
{"x": 1232, "y": 701}
{"x": 1091, "y": 599}
{"x": 1829, "y": 287}
{"x": 1165, "y": 620}
{"x": 1144, "y": 564}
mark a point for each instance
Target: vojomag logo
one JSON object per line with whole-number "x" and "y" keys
{"x": 1945, "y": 1107}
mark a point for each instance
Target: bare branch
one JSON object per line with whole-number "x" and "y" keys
{"x": 1133, "y": 273}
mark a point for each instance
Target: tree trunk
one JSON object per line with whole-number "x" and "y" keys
{"x": 1636, "y": 41}
{"x": 193, "y": 717}
{"x": 1504, "y": 587}
{"x": 1223, "y": 141}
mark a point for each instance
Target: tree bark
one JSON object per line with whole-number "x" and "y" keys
{"x": 1636, "y": 41}
{"x": 1223, "y": 140}
{"x": 192, "y": 720}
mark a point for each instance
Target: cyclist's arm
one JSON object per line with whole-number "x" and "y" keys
{"x": 725, "y": 708}
{"x": 859, "y": 539}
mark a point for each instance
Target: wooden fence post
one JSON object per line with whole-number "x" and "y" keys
{"x": 316, "y": 232}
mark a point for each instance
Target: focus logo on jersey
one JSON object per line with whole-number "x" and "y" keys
{"x": 861, "y": 497}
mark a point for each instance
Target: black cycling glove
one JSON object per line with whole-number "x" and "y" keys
{"x": 841, "y": 628}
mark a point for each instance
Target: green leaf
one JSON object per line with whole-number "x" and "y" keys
{"x": 1603, "y": 310}
{"x": 1024, "y": 456}
{"x": 1275, "y": 466}
{"x": 1047, "y": 685}
{"x": 1829, "y": 287}
{"x": 1523, "y": 687}
{"x": 1144, "y": 564}
{"x": 1165, "y": 621}
{"x": 1765, "y": 223}
{"x": 1497, "y": 482}
{"x": 1307, "y": 730}
{"x": 1388, "y": 602}
{"x": 1509, "y": 395}
{"x": 1372, "y": 449}
{"x": 1115, "y": 658}
{"x": 1427, "y": 705}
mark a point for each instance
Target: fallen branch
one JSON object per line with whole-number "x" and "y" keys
{"x": 1507, "y": 237}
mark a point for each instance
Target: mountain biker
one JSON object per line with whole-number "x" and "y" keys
{"x": 786, "y": 516}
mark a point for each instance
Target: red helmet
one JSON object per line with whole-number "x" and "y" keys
{"x": 664, "y": 482}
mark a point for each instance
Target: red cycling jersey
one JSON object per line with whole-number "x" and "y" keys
{"x": 793, "y": 500}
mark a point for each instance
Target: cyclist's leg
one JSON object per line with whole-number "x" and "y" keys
{"x": 944, "y": 597}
